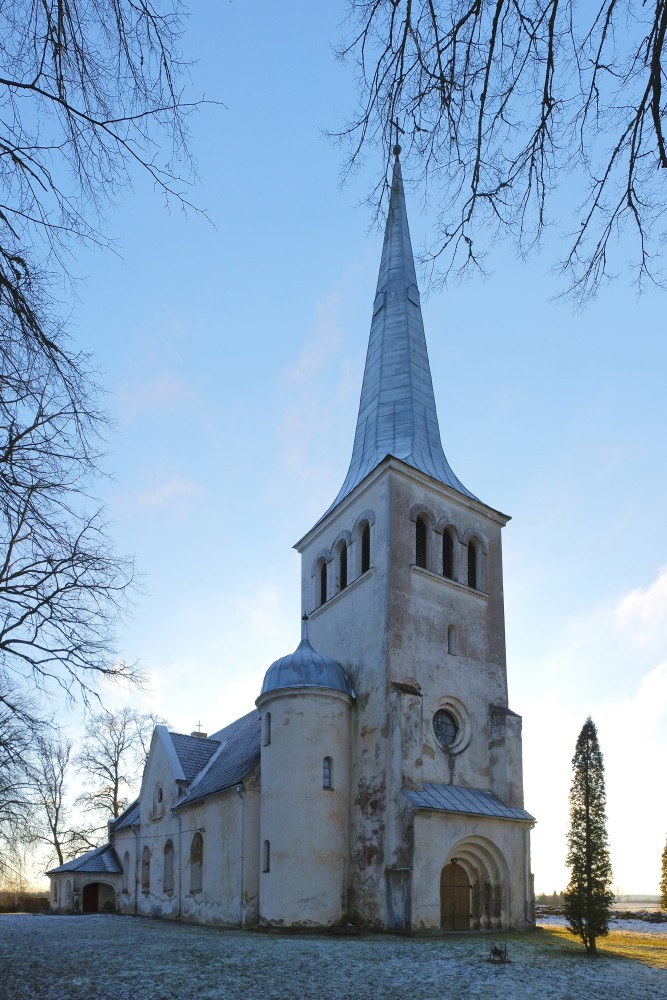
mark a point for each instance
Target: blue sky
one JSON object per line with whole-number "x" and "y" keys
{"x": 233, "y": 353}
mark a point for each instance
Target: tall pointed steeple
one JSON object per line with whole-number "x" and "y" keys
{"x": 397, "y": 414}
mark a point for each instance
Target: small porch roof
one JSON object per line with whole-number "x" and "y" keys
{"x": 472, "y": 801}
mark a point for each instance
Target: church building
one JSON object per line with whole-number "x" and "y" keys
{"x": 378, "y": 781}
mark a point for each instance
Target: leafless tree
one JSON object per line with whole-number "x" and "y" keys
{"x": 19, "y": 726}
{"x": 50, "y": 772}
{"x": 89, "y": 95}
{"x": 112, "y": 758}
{"x": 519, "y": 113}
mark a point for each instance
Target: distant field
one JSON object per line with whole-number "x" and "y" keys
{"x": 127, "y": 958}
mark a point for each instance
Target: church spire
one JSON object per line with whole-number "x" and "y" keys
{"x": 397, "y": 414}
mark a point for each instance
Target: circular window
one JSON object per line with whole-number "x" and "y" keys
{"x": 445, "y": 727}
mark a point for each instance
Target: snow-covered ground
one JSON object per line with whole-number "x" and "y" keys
{"x": 126, "y": 958}
{"x": 639, "y": 926}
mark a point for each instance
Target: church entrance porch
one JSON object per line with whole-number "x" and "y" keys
{"x": 455, "y": 898}
{"x": 98, "y": 897}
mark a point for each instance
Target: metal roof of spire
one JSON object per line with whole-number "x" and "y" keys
{"x": 397, "y": 414}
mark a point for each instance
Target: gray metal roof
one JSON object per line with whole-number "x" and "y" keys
{"x": 397, "y": 414}
{"x": 237, "y": 754}
{"x": 305, "y": 667}
{"x": 130, "y": 817}
{"x": 193, "y": 752}
{"x": 103, "y": 860}
{"x": 473, "y": 801}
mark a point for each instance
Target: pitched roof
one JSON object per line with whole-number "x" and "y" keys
{"x": 103, "y": 860}
{"x": 397, "y": 414}
{"x": 238, "y": 752}
{"x": 472, "y": 801}
{"x": 193, "y": 752}
{"x": 130, "y": 817}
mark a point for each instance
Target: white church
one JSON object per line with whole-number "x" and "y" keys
{"x": 378, "y": 781}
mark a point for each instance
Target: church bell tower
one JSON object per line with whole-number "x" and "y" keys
{"x": 402, "y": 581}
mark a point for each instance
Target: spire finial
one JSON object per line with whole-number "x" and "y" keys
{"x": 399, "y": 131}
{"x": 304, "y": 627}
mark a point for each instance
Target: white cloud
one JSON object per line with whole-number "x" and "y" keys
{"x": 175, "y": 487}
{"x": 642, "y": 613}
{"x": 596, "y": 669}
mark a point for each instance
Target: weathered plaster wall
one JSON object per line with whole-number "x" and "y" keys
{"x": 305, "y": 824}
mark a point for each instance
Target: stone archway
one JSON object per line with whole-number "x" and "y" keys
{"x": 486, "y": 874}
{"x": 455, "y": 898}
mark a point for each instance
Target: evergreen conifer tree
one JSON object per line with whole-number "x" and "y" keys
{"x": 589, "y": 896}
{"x": 663, "y": 879}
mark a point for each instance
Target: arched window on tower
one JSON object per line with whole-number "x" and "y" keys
{"x": 168, "y": 881}
{"x": 342, "y": 567}
{"x": 196, "y": 862}
{"x": 447, "y": 554}
{"x": 420, "y": 542}
{"x": 266, "y": 866}
{"x": 327, "y": 773}
{"x": 451, "y": 640}
{"x": 323, "y": 582}
{"x": 267, "y": 730}
{"x": 366, "y": 548}
{"x": 125, "y": 881}
{"x": 473, "y": 569}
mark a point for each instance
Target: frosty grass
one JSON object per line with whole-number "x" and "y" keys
{"x": 128, "y": 958}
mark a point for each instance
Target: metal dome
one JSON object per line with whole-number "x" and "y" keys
{"x": 305, "y": 667}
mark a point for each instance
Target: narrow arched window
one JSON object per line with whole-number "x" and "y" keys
{"x": 146, "y": 870}
{"x": 323, "y": 583}
{"x": 472, "y": 565}
{"x": 158, "y": 802}
{"x": 420, "y": 542}
{"x": 168, "y": 883}
{"x": 266, "y": 866}
{"x": 126, "y": 872}
{"x": 327, "y": 773}
{"x": 451, "y": 640}
{"x": 342, "y": 567}
{"x": 267, "y": 729}
{"x": 366, "y": 548}
{"x": 447, "y": 555}
{"x": 196, "y": 862}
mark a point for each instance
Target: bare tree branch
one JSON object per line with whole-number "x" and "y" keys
{"x": 505, "y": 105}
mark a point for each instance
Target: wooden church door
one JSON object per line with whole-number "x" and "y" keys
{"x": 454, "y": 898}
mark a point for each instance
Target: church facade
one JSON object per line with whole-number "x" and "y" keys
{"x": 379, "y": 779}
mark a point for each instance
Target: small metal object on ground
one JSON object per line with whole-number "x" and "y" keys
{"x": 498, "y": 954}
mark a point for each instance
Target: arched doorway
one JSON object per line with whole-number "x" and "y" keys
{"x": 98, "y": 897}
{"x": 455, "y": 901}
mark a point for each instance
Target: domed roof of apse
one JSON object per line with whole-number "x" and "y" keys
{"x": 305, "y": 667}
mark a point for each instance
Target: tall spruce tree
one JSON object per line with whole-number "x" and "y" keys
{"x": 663, "y": 879}
{"x": 589, "y": 896}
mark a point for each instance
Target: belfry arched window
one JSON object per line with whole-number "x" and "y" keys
{"x": 473, "y": 565}
{"x": 366, "y": 548}
{"x": 342, "y": 567}
{"x": 447, "y": 555}
{"x": 420, "y": 542}
{"x": 323, "y": 582}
